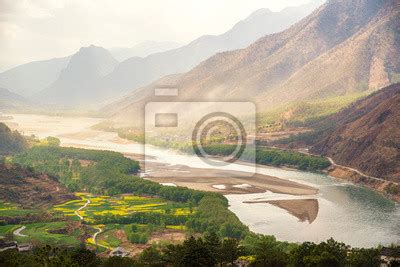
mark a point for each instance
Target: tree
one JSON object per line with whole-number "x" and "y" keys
{"x": 196, "y": 253}
{"x": 151, "y": 257}
{"x": 213, "y": 244}
{"x": 230, "y": 250}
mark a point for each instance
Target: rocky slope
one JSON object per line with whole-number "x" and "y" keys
{"x": 343, "y": 47}
{"x": 29, "y": 189}
{"x": 366, "y": 135}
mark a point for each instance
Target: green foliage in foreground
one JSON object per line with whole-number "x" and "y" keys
{"x": 209, "y": 250}
{"x": 109, "y": 173}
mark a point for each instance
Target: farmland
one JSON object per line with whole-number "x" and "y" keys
{"x": 78, "y": 221}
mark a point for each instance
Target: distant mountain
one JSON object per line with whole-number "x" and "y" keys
{"x": 142, "y": 49}
{"x": 366, "y": 135}
{"x": 73, "y": 85}
{"x": 11, "y": 101}
{"x": 32, "y": 77}
{"x": 343, "y": 47}
{"x": 137, "y": 71}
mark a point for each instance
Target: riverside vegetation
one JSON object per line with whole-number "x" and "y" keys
{"x": 118, "y": 200}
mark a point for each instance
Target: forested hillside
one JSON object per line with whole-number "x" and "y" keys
{"x": 10, "y": 141}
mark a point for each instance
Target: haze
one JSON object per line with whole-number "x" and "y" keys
{"x": 36, "y": 30}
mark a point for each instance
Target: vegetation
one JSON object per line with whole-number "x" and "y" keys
{"x": 10, "y": 141}
{"x": 109, "y": 174}
{"x": 209, "y": 250}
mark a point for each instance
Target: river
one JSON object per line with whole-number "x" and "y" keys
{"x": 349, "y": 213}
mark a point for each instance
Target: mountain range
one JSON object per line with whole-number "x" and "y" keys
{"x": 58, "y": 87}
{"x": 30, "y": 78}
{"x": 341, "y": 48}
{"x": 142, "y": 49}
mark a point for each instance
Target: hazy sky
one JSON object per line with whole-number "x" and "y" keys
{"x": 41, "y": 29}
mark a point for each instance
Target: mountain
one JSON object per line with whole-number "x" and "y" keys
{"x": 73, "y": 85}
{"x": 142, "y": 49}
{"x": 366, "y": 135}
{"x": 138, "y": 71}
{"x": 30, "y": 78}
{"x": 343, "y": 47}
{"x": 11, "y": 101}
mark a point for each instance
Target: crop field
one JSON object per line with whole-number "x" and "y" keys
{"x": 118, "y": 206}
{"x": 91, "y": 208}
{"x": 13, "y": 210}
{"x": 41, "y": 233}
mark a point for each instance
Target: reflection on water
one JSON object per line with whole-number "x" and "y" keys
{"x": 348, "y": 213}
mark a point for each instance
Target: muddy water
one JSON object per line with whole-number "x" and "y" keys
{"x": 348, "y": 213}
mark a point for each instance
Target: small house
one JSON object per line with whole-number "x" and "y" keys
{"x": 389, "y": 256}
{"x": 118, "y": 252}
{"x": 25, "y": 247}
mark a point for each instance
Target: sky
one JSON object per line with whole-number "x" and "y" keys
{"x": 41, "y": 29}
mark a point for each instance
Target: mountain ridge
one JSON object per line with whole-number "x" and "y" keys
{"x": 304, "y": 62}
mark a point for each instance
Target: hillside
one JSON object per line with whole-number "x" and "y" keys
{"x": 73, "y": 85}
{"x": 29, "y": 189}
{"x": 30, "y": 78}
{"x": 366, "y": 135}
{"x": 344, "y": 47}
{"x": 11, "y": 101}
{"x": 10, "y": 142}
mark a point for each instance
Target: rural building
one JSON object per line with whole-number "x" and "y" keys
{"x": 389, "y": 256}
{"x": 119, "y": 252}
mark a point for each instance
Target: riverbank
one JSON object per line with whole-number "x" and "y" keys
{"x": 381, "y": 186}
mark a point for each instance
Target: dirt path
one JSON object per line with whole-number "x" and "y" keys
{"x": 99, "y": 231}
{"x": 81, "y": 208}
{"x": 19, "y": 230}
{"x": 358, "y": 172}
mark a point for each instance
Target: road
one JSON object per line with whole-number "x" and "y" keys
{"x": 99, "y": 230}
{"x": 81, "y": 208}
{"x": 19, "y": 230}
{"x": 357, "y": 171}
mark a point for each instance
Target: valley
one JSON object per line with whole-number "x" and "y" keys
{"x": 362, "y": 208}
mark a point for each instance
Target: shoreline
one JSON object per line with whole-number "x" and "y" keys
{"x": 379, "y": 186}
{"x": 213, "y": 180}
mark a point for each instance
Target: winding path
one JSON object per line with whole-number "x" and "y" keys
{"x": 19, "y": 230}
{"x": 358, "y": 172}
{"x": 81, "y": 208}
{"x": 99, "y": 230}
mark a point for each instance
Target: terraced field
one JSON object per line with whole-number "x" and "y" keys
{"x": 81, "y": 219}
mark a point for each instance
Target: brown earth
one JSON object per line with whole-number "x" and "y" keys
{"x": 366, "y": 135}
{"x": 29, "y": 189}
{"x": 303, "y": 209}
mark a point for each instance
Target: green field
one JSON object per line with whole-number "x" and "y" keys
{"x": 13, "y": 210}
{"x": 39, "y": 233}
